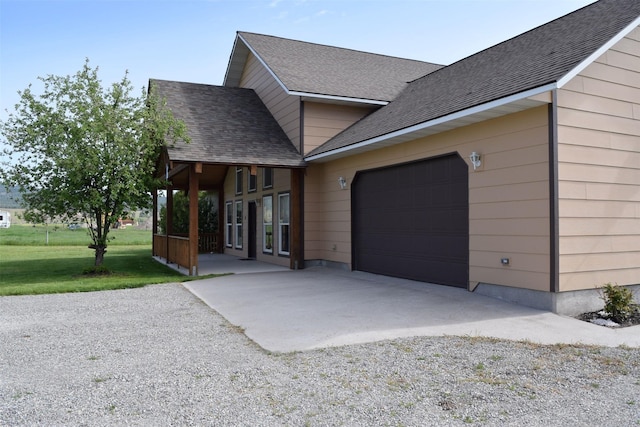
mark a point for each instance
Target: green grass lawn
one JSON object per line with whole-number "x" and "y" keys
{"x": 27, "y": 266}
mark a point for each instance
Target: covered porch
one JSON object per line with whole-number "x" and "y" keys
{"x": 230, "y": 130}
{"x": 179, "y": 248}
{"x": 193, "y": 253}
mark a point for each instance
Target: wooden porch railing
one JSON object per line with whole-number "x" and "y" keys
{"x": 160, "y": 245}
{"x": 177, "y": 249}
{"x": 208, "y": 243}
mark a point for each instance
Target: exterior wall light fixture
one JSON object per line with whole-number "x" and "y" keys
{"x": 342, "y": 182}
{"x": 475, "y": 160}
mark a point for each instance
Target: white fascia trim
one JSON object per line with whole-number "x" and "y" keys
{"x": 233, "y": 52}
{"x": 440, "y": 120}
{"x": 337, "y": 98}
{"x": 307, "y": 94}
{"x": 595, "y": 55}
{"x": 264, "y": 64}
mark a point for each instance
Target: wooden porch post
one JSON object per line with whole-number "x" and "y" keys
{"x": 193, "y": 217}
{"x": 296, "y": 256}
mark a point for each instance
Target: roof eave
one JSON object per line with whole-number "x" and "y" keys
{"x": 335, "y": 99}
{"x": 292, "y": 164}
{"x": 236, "y": 63}
{"x": 500, "y": 107}
{"x": 599, "y": 52}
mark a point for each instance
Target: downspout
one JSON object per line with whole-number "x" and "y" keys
{"x": 554, "y": 238}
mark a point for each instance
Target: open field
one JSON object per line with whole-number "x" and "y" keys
{"x": 61, "y": 235}
{"x": 29, "y": 266}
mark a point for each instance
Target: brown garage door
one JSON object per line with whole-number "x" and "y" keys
{"x": 412, "y": 221}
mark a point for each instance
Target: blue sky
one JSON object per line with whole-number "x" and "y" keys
{"x": 191, "y": 40}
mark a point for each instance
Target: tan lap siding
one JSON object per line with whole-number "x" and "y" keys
{"x": 599, "y": 171}
{"x": 508, "y": 196}
{"x": 284, "y": 108}
{"x": 323, "y": 121}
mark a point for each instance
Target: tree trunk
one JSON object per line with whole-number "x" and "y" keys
{"x": 100, "y": 251}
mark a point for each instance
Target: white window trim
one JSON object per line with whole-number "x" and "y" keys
{"x": 251, "y": 189}
{"x": 265, "y": 224}
{"x": 228, "y": 229}
{"x": 238, "y": 182}
{"x": 238, "y": 237}
{"x": 280, "y": 224}
{"x": 264, "y": 173}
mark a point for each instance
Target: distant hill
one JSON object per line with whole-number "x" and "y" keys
{"x": 9, "y": 197}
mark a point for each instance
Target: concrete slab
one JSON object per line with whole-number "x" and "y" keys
{"x": 321, "y": 307}
{"x": 224, "y": 264}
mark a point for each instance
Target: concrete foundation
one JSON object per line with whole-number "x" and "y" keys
{"x": 309, "y": 263}
{"x": 569, "y": 303}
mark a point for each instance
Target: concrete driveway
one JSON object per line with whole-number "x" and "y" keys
{"x": 285, "y": 311}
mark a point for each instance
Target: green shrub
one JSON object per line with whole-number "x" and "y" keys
{"x": 617, "y": 301}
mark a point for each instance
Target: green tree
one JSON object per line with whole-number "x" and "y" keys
{"x": 79, "y": 149}
{"x": 207, "y": 214}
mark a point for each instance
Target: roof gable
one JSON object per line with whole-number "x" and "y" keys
{"x": 539, "y": 58}
{"x": 318, "y": 70}
{"x": 226, "y": 126}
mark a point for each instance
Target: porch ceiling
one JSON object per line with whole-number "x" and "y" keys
{"x": 212, "y": 176}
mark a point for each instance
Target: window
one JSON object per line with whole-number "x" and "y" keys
{"x": 267, "y": 178}
{"x": 239, "y": 224}
{"x": 228, "y": 231}
{"x": 238, "y": 180}
{"x": 252, "y": 182}
{"x": 283, "y": 223}
{"x": 267, "y": 224}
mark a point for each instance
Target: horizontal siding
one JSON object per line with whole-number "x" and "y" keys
{"x": 576, "y": 245}
{"x": 508, "y": 196}
{"x": 324, "y": 121}
{"x": 599, "y": 171}
{"x": 284, "y": 108}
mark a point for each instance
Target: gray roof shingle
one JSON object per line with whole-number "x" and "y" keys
{"x": 533, "y": 59}
{"x": 226, "y": 126}
{"x": 326, "y": 70}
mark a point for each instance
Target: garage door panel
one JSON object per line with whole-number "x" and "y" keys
{"x": 440, "y": 272}
{"x": 411, "y": 221}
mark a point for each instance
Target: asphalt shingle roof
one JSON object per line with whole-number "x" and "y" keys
{"x": 533, "y": 59}
{"x": 327, "y": 70}
{"x": 226, "y": 126}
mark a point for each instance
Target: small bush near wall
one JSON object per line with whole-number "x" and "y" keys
{"x": 617, "y": 302}
{"x": 619, "y": 308}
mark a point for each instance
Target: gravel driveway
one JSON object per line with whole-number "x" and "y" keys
{"x": 157, "y": 356}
